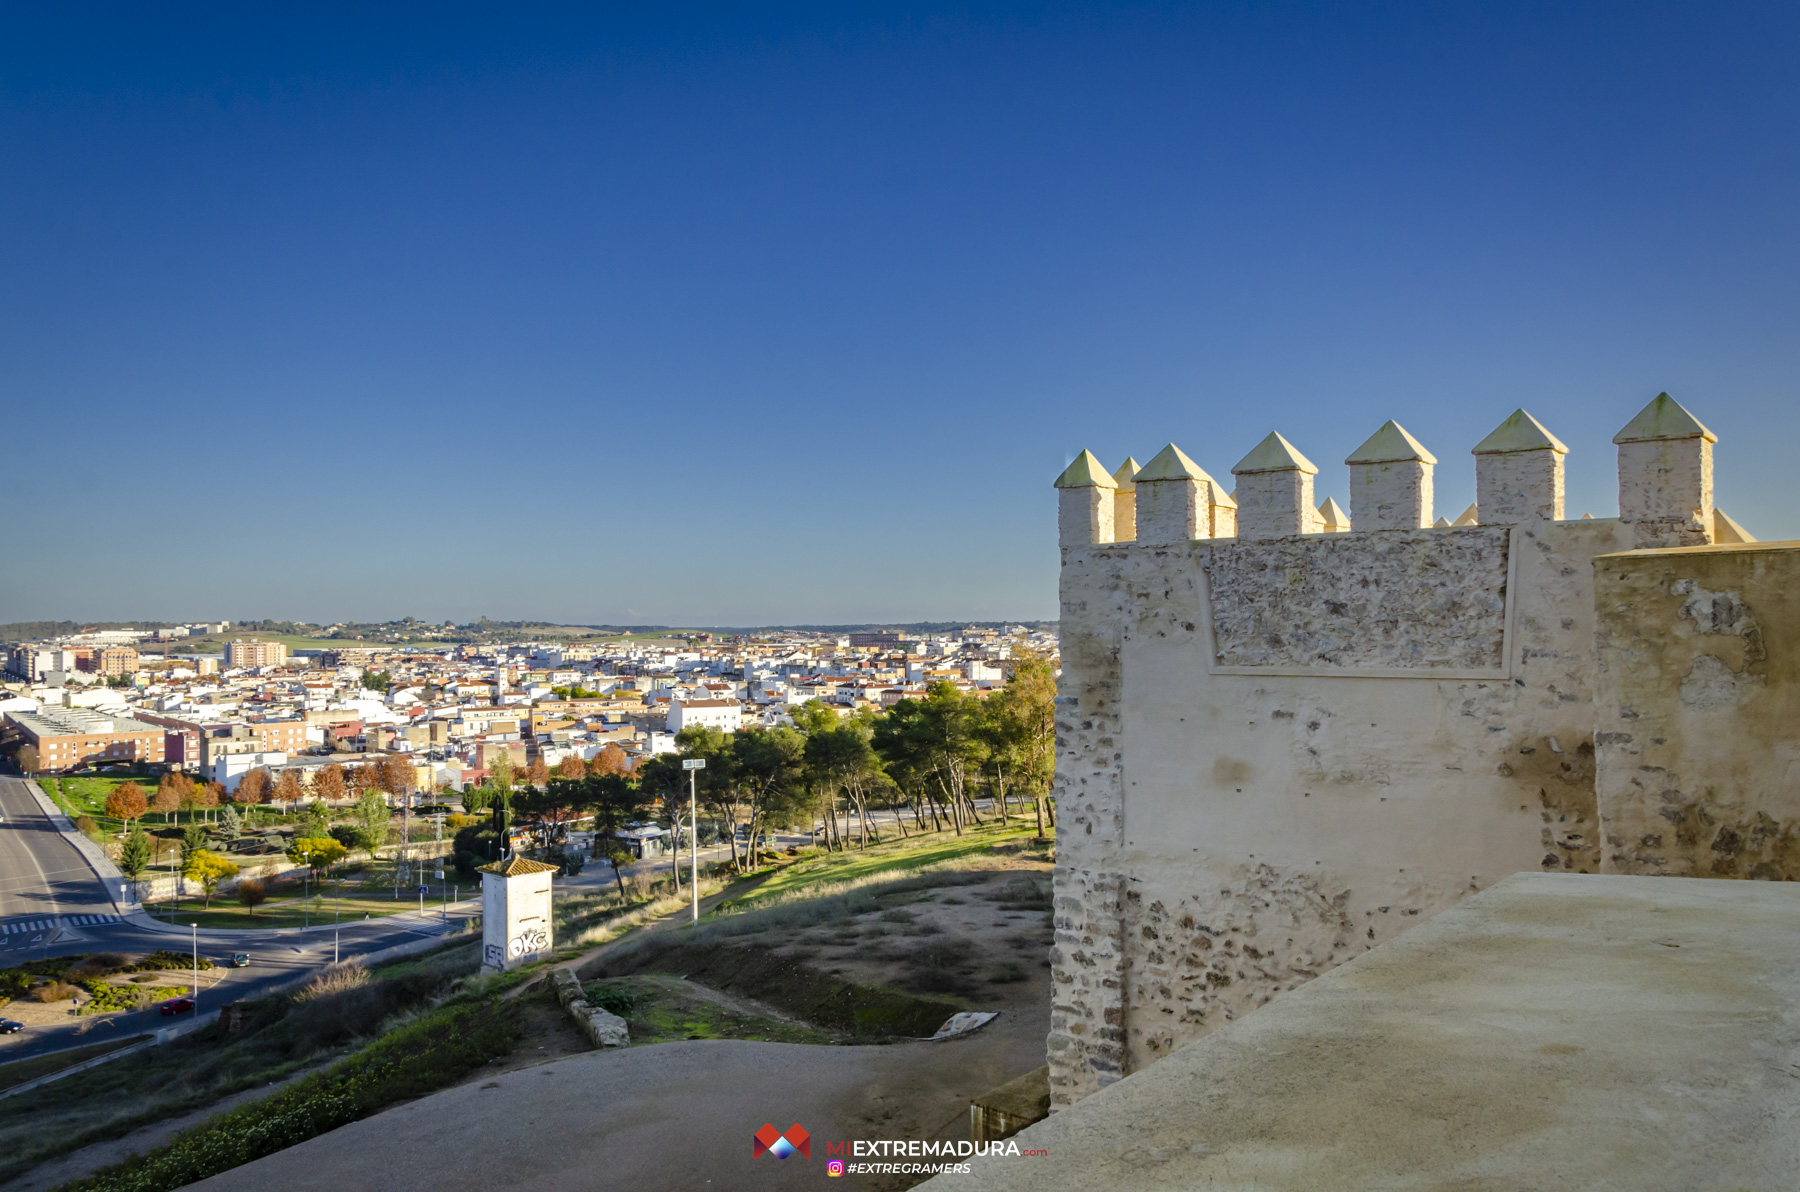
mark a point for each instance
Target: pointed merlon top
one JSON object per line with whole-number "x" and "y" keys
{"x": 1332, "y": 516}
{"x": 1171, "y": 463}
{"x": 1470, "y": 517}
{"x": 1086, "y": 472}
{"x": 1274, "y": 454}
{"x": 1520, "y": 432}
{"x": 1663, "y": 418}
{"x": 1390, "y": 445}
{"x": 1126, "y": 474}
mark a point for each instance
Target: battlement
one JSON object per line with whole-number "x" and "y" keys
{"x": 1664, "y": 468}
{"x": 1287, "y": 731}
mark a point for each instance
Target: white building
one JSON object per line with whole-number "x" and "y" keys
{"x": 727, "y": 714}
{"x": 228, "y": 769}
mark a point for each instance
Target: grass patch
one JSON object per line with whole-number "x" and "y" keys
{"x": 280, "y": 1036}
{"x": 663, "y": 1009}
{"x": 23, "y": 1071}
{"x": 890, "y": 858}
{"x": 291, "y": 912}
{"x": 418, "y": 1058}
{"x": 791, "y": 985}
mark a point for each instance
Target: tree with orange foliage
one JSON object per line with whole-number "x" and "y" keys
{"x": 610, "y": 760}
{"x": 288, "y": 790}
{"x": 167, "y": 801}
{"x": 571, "y": 768}
{"x": 127, "y": 802}
{"x": 537, "y": 773}
{"x": 328, "y": 783}
{"x": 254, "y": 788}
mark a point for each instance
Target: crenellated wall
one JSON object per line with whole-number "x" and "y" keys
{"x": 1276, "y": 751}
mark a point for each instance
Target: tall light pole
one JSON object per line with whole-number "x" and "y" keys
{"x": 195, "y": 935}
{"x": 693, "y": 765}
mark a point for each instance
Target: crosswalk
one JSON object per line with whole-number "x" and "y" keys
{"x": 57, "y": 921}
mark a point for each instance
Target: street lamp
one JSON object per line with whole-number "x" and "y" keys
{"x": 692, "y": 765}
{"x": 194, "y": 934}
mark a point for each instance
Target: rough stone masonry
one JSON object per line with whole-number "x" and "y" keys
{"x": 1281, "y": 740}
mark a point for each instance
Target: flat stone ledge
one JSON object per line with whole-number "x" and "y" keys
{"x": 1554, "y": 1031}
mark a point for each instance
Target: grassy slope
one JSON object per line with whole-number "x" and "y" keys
{"x": 893, "y": 857}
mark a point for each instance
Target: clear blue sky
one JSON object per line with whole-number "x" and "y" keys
{"x": 767, "y": 314}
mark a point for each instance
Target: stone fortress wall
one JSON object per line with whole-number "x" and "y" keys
{"x": 1286, "y": 734}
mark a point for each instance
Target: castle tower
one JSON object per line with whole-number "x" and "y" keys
{"x": 1181, "y": 502}
{"x": 1084, "y": 502}
{"x": 1390, "y": 481}
{"x": 1125, "y": 502}
{"x": 1665, "y": 475}
{"x": 1275, "y": 491}
{"x": 1518, "y": 474}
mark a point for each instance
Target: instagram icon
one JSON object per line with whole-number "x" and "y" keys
{"x": 835, "y": 1167}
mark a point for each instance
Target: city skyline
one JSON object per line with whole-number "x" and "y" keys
{"x": 793, "y": 316}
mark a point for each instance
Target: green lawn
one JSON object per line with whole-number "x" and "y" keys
{"x": 894, "y": 856}
{"x": 227, "y": 915}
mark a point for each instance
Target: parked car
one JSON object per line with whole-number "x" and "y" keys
{"x": 240, "y": 960}
{"x": 9, "y": 1027}
{"x": 177, "y": 1005}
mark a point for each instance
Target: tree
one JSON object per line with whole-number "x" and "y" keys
{"x": 208, "y": 869}
{"x": 252, "y": 894}
{"x": 377, "y": 680}
{"x": 167, "y": 801}
{"x": 328, "y": 783}
{"x": 610, "y": 760}
{"x": 616, "y": 802}
{"x": 317, "y": 853}
{"x": 208, "y": 794}
{"x": 136, "y": 852}
{"x": 717, "y": 783}
{"x": 193, "y": 840}
{"x": 571, "y": 769}
{"x": 253, "y": 788}
{"x": 769, "y": 773}
{"x": 372, "y": 817}
{"x": 127, "y": 802}
{"x": 356, "y": 838}
{"x": 27, "y": 757}
{"x": 316, "y": 819}
{"x": 537, "y": 773}
{"x": 288, "y": 790}
{"x": 840, "y": 759}
{"x": 232, "y": 823}
{"x": 176, "y": 788}
{"x": 1022, "y": 726}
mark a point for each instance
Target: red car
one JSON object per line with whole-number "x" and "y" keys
{"x": 176, "y": 1005}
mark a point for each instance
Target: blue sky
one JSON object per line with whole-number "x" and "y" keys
{"x": 760, "y": 314}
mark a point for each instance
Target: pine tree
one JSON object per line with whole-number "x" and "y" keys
{"x": 134, "y": 854}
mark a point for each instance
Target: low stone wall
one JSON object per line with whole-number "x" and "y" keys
{"x": 604, "y": 1029}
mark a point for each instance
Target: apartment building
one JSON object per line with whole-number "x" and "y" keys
{"x": 726, "y": 714}
{"x": 247, "y": 651}
{"x": 67, "y": 738}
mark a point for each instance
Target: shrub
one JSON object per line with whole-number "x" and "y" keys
{"x": 53, "y": 991}
{"x": 613, "y": 1000}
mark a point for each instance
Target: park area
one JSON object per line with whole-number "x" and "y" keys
{"x": 816, "y": 957}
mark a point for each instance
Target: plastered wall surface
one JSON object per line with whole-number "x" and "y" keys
{"x": 1699, "y": 718}
{"x": 1239, "y": 833}
{"x": 1278, "y": 748}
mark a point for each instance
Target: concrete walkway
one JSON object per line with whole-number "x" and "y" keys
{"x": 1556, "y": 1031}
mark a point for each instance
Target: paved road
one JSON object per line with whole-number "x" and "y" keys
{"x": 52, "y": 903}
{"x": 42, "y": 874}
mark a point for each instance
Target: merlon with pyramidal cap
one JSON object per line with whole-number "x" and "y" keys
{"x": 1086, "y": 472}
{"x": 1390, "y": 444}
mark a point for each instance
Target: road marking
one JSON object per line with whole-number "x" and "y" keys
{"x": 63, "y": 921}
